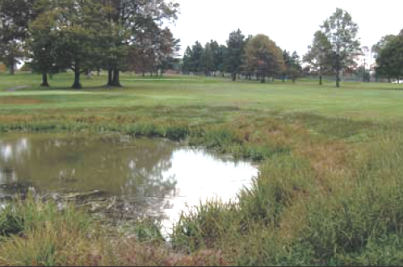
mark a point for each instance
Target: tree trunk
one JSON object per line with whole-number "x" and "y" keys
{"x": 116, "y": 78}
{"x": 263, "y": 78}
{"x": 233, "y": 77}
{"x": 77, "y": 84}
{"x": 338, "y": 67}
{"x": 45, "y": 79}
{"x": 110, "y": 77}
{"x": 12, "y": 69}
{"x": 144, "y": 74}
{"x": 338, "y": 79}
{"x": 320, "y": 79}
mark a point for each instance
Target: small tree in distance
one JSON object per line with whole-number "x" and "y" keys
{"x": 234, "y": 53}
{"x": 263, "y": 57}
{"x": 318, "y": 55}
{"x": 341, "y": 33}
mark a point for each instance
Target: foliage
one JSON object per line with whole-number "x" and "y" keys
{"x": 341, "y": 33}
{"x": 127, "y": 20}
{"x": 234, "y": 53}
{"x": 292, "y": 65}
{"x": 263, "y": 57}
{"x": 317, "y": 56}
{"x": 154, "y": 49}
{"x": 15, "y": 16}
{"x": 390, "y": 56}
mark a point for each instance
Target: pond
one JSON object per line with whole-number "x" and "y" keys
{"x": 124, "y": 177}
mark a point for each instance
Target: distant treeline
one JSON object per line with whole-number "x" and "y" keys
{"x": 254, "y": 56}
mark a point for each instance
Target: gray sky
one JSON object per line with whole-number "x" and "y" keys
{"x": 290, "y": 23}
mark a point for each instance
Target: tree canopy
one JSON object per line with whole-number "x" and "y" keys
{"x": 341, "y": 33}
{"x": 87, "y": 35}
{"x": 234, "y": 53}
{"x": 318, "y": 56}
{"x": 263, "y": 57}
{"x": 390, "y": 56}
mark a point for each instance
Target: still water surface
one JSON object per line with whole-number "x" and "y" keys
{"x": 156, "y": 178}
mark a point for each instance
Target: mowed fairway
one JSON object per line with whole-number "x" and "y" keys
{"x": 353, "y": 100}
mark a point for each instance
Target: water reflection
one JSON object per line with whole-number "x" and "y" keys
{"x": 144, "y": 177}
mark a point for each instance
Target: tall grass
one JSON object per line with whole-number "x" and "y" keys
{"x": 329, "y": 192}
{"x": 290, "y": 217}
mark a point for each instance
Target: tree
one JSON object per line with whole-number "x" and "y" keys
{"x": 126, "y": 20}
{"x": 294, "y": 67}
{"x": 318, "y": 55}
{"x": 216, "y": 56}
{"x": 377, "y": 49}
{"x": 187, "y": 61}
{"x": 15, "y": 15}
{"x": 75, "y": 28}
{"x": 167, "y": 50}
{"x": 197, "y": 58}
{"x": 41, "y": 47}
{"x": 234, "y": 53}
{"x": 263, "y": 57}
{"x": 208, "y": 59}
{"x": 341, "y": 33}
{"x": 390, "y": 58}
{"x": 143, "y": 57}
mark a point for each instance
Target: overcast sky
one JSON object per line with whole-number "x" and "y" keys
{"x": 290, "y": 23}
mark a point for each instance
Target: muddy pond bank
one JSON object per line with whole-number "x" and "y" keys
{"x": 118, "y": 176}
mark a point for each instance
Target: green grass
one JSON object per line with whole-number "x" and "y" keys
{"x": 355, "y": 100}
{"x": 329, "y": 190}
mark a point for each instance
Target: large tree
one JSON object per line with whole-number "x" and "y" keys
{"x": 127, "y": 19}
{"x": 341, "y": 32}
{"x": 234, "y": 53}
{"x": 318, "y": 55}
{"x": 167, "y": 51}
{"x": 390, "y": 58}
{"x": 15, "y": 15}
{"x": 263, "y": 57}
{"x": 153, "y": 50}
{"x": 76, "y": 29}
{"x": 383, "y": 67}
{"x": 41, "y": 46}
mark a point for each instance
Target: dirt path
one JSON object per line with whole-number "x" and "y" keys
{"x": 15, "y": 88}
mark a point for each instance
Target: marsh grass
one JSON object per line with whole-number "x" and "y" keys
{"x": 329, "y": 191}
{"x": 320, "y": 199}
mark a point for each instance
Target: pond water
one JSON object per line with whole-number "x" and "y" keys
{"x": 130, "y": 178}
